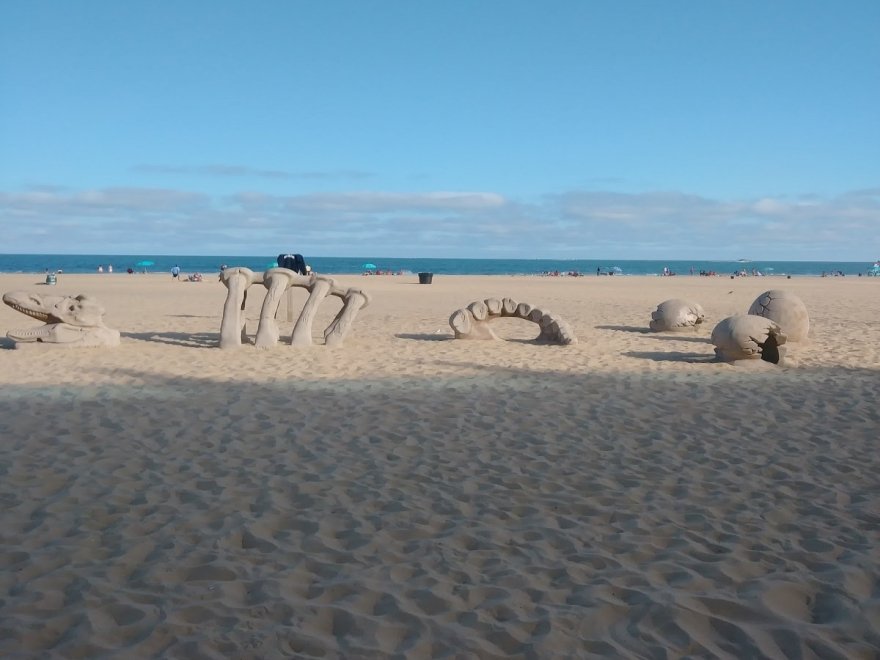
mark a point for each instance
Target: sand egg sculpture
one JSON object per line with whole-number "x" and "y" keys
{"x": 786, "y": 309}
{"x": 677, "y": 315}
{"x": 749, "y": 337}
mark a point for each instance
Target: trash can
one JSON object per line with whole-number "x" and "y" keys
{"x": 425, "y": 278}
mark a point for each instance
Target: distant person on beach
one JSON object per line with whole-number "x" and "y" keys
{"x": 175, "y": 272}
{"x": 109, "y": 268}
{"x": 101, "y": 268}
{"x": 130, "y": 271}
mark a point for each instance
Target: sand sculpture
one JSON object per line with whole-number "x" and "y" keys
{"x": 677, "y": 315}
{"x": 277, "y": 281}
{"x": 69, "y": 321}
{"x": 472, "y": 322}
{"x": 786, "y": 309}
{"x": 749, "y": 337}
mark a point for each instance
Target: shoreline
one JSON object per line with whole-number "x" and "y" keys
{"x": 88, "y": 264}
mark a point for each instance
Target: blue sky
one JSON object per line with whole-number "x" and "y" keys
{"x": 502, "y": 128}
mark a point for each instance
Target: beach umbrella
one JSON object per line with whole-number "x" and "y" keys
{"x": 369, "y": 266}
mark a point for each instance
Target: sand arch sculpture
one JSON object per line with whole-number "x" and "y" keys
{"x": 472, "y": 322}
{"x": 749, "y": 337}
{"x": 69, "y": 321}
{"x": 276, "y": 281}
{"x": 677, "y": 315}
{"x": 786, "y": 309}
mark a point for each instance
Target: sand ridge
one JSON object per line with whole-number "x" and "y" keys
{"x": 413, "y": 496}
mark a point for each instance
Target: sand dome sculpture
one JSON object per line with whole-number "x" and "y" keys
{"x": 472, "y": 322}
{"x": 786, "y": 309}
{"x": 749, "y": 337}
{"x": 677, "y": 315}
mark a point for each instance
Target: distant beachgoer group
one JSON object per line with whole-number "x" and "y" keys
{"x": 556, "y": 273}
{"x": 375, "y": 272}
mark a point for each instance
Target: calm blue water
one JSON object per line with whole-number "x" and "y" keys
{"x": 88, "y": 263}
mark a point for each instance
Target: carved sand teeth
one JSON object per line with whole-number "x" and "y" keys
{"x": 40, "y": 316}
{"x": 472, "y": 322}
{"x": 30, "y": 334}
{"x": 277, "y": 281}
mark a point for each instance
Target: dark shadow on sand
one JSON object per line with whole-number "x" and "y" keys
{"x": 681, "y": 337}
{"x": 672, "y": 356}
{"x": 424, "y": 337}
{"x": 447, "y": 337}
{"x": 625, "y": 328}
{"x": 193, "y": 316}
{"x": 191, "y": 340}
{"x": 671, "y": 336}
{"x": 236, "y": 483}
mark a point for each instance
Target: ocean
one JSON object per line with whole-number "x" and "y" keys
{"x": 89, "y": 263}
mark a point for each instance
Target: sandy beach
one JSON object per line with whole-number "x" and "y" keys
{"x": 409, "y": 495}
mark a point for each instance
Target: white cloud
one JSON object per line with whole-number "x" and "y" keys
{"x": 770, "y": 207}
{"x": 441, "y": 223}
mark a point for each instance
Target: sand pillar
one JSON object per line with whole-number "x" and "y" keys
{"x": 276, "y": 282}
{"x": 302, "y": 331}
{"x": 336, "y": 331}
{"x": 232, "y": 327}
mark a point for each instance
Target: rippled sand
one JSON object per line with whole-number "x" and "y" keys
{"x": 412, "y": 496}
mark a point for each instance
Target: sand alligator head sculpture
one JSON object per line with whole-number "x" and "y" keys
{"x": 69, "y": 321}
